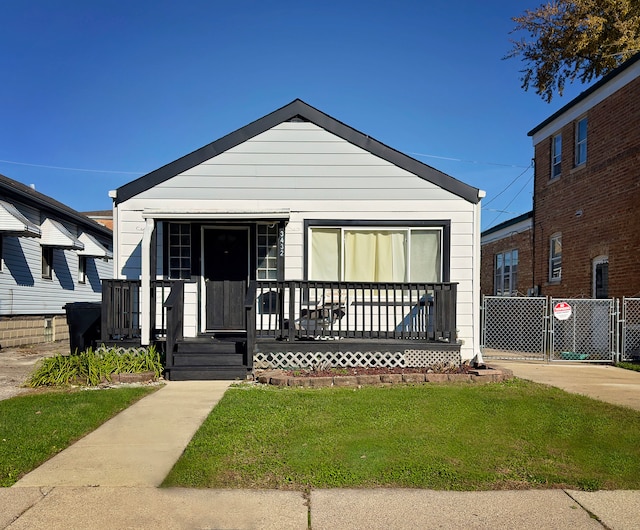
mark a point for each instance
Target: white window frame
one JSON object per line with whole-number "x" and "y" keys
{"x": 82, "y": 269}
{"x": 381, "y": 228}
{"x": 47, "y": 263}
{"x": 512, "y": 276}
{"x": 178, "y": 273}
{"x": 556, "y": 155}
{"x": 581, "y": 142}
{"x": 267, "y": 251}
{"x": 555, "y": 259}
{"x": 600, "y": 260}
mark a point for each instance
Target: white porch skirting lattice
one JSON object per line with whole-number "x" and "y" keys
{"x": 349, "y": 359}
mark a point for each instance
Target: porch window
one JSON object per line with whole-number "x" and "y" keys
{"x": 371, "y": 254}
{"x": 267, "y": 252}
{"x": 179, "y": 251}
{"x": 555, "y": 258}
{"x": 505, "y": 273}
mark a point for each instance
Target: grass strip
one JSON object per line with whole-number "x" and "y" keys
{"x": 510, "y": 435}
{"x": 33, "y": 428}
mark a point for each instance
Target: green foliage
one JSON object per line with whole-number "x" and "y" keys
{"x": 629, "y": 366}
{"x": 35, "y": 427}
{"x": 575, "y": 39}
{"x": 509, "y": 435}
{"x": 94, "y": 367}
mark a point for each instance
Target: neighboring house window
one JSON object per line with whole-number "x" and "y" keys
{"x": 179, "y": 251}
{"x": 556, "y": 155}
{"x": 267, "y": 252}
{"x": 555, "y": 258}
{"x": 601, "y": 277}
{"x": 47, "y": 263}
{"x": 581, "y": 141}
{"x": 1, "y": 253}
{"x": 369, "y": 254}
{"x": 506, "y": 273}
{"x": 82, "y": 269}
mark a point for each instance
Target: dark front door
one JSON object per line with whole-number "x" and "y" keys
{"x": 225, "y": 253}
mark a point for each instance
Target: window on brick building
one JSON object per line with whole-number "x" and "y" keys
{"x": 505, "y": 273}
{"x": 555, "y": 258}
{"x": 601, "y": 277}
{"x": 581, "y": 141}
{"x": 556, "y": 155}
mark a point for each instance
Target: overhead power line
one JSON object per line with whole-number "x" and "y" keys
{"x": 72, "y": 168}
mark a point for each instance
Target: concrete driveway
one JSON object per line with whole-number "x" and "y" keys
{"x": 603, "y": 382}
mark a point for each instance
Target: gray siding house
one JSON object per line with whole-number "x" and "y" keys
{"x": 303, "y": 240}
{"x": 50, "y": 255}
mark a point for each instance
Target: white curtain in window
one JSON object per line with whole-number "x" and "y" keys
{"x": 325, "y": 254}
{"x": 374, "y": 256}
{"x": 425, "y": 256}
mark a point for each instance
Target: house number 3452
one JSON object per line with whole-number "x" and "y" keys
{"x": 281, "y": 242}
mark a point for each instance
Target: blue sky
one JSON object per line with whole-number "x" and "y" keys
{"x": 120, "y": 88}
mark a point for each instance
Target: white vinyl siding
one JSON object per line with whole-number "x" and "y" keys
{"x": 23, "y": 291}
{"x": 312, "y": 173}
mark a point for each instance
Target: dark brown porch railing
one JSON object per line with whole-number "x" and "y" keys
{"x": 297, "y": 310}
{"x": 304, "y": 310}
{"x": 120, "y": 310}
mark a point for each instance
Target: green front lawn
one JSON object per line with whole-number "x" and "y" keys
{"x": 33, "y": 428}
{"x": 461, "y": 437}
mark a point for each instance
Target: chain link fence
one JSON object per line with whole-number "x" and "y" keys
{"x": 630, "y": 341}
{"x": 583, "y": 330}
{"x": 560, "y": 329}
{"x": 514, "y": 327}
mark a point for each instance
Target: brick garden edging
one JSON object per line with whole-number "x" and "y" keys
{"x": 480, "y": 375}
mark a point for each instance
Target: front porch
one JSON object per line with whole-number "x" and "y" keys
{"x": 290, "y": 324}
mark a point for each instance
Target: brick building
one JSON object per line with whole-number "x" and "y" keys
{"x": 507, "y": 266}
{"x": 586, "y": 212}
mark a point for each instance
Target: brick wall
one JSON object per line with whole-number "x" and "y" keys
{"x": 24, "y": 330}
{"x": 596, "y": 207}
{"x": 523, "y": 243}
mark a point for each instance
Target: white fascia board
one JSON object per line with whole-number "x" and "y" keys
{"x": 507, "y": 231}
{"x": 576, "y": 111}
{"x": 54, "y": 234}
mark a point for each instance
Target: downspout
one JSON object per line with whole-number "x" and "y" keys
{"x": 477, "y": 263}
{"x": 145, "y": 287}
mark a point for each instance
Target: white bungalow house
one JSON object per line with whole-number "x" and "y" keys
{"x": 293, "y": 241}
{"x": 50, "y": 256}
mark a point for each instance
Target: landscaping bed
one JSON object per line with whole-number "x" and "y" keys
{"x": 359, "y": 376}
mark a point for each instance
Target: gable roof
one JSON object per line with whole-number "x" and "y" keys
{"x": 297, "y": 109}
{"x": 12, "y": 189}
{"x": 583, "y": 95}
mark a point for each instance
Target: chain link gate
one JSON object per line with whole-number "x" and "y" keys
{"x": 630, "y": 329}
{"x": 583, "y": 330}
{"x": 514, "y": 327}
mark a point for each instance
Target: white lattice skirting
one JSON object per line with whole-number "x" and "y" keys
{"x": 348, "y": 359}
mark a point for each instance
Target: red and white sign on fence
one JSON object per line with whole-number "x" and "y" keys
{"x": 562, "y": 311}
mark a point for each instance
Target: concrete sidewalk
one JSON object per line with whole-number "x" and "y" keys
{"x": 139, "y": 446}
{"x": 67, "y": 508}
{"x": 603, "y": 382}
{"x": 109, "y": 480}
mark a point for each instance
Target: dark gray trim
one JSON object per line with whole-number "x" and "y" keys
{"x": 297, "y": 109}
{"x": 586, "y": 93}
{"x": 444, "y": 224}
{"x": 12, "y": 189}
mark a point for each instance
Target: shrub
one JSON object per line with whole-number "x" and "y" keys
{"x": 94, "y": 367}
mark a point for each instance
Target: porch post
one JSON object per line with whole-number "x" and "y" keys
{"x": 145, "y": 287}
